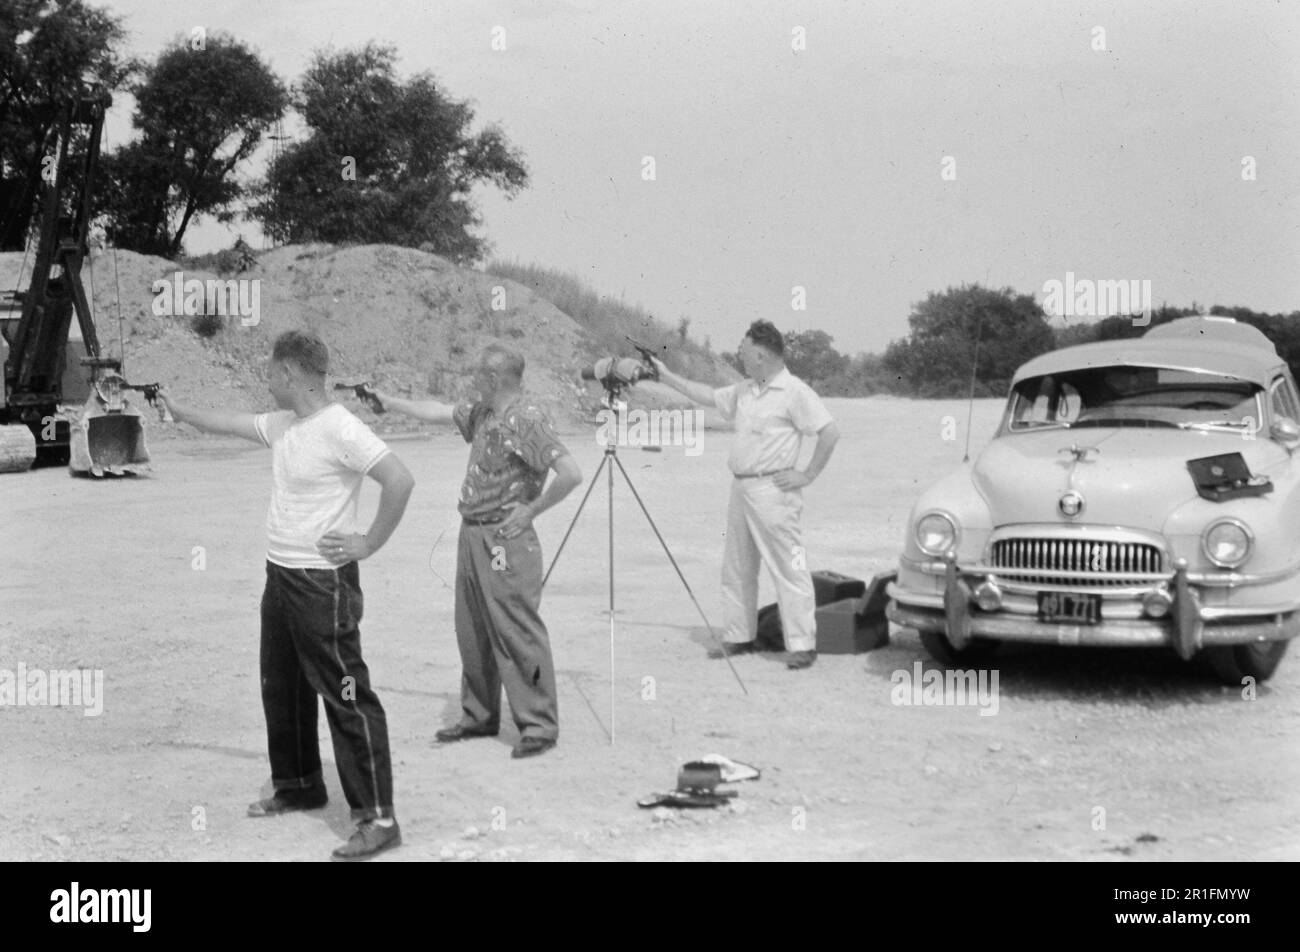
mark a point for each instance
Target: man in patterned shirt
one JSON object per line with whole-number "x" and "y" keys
{"x": 502, "y": 639}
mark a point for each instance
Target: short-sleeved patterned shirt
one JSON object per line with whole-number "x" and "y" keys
{"x": 509, "y": 458}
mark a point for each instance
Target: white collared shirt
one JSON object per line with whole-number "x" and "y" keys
{"x": 770, "y": 421}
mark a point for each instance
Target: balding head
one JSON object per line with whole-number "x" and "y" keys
{"x": 506, "y": 363}
{"x": 499, "y": 370}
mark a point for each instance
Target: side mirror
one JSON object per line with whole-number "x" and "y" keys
{"x": 1286, "y": 431}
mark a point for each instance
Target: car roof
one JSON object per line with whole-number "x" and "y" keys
{"x": 1215, "y": 345}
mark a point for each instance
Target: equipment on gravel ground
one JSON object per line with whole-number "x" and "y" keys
{"x": 108, "y": 439}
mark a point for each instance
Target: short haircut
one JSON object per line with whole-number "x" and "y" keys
{"x": 502, "y": 358}
{"x": 305, "y": 351}
{"x": 764, "y": 334}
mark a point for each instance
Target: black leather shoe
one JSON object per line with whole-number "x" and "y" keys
{"x": 800, "y": 659}
{"x": 449, "y": 735}
{"x": 370, "y": 839}
{"x": 288, "y": 801}
{"x": 730, "y": 649}
{"x": 531, "y": 747}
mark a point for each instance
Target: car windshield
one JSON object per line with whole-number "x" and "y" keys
{"x": 1135, "y": 396}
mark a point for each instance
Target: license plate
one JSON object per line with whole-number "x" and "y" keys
{"x": 1069, "y": 608}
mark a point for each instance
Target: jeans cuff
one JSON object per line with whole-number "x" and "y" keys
{"x": 313, "y": 781}
{"x": 362, "y": 814}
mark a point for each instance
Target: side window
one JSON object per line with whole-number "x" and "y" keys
{"x": 1283, "y": 400}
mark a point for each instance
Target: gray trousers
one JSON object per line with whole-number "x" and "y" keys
{"x": 503, "y": 641}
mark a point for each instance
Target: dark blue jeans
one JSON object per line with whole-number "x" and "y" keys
{"x": 311, "y": 645}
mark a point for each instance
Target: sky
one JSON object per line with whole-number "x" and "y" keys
{"x": 849, "y": 157}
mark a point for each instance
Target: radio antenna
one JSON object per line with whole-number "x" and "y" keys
{"x": 970, "y": 406}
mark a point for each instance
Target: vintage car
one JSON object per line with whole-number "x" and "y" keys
{"x": 1141, "y": 492}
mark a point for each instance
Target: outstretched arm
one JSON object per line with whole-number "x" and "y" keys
{"x": 223, "y": 422}
{"x": 431, "y": 410}
{"x": 699, "y": 392}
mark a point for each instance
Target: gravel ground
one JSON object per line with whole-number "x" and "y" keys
{"x": 1092, "y": 755}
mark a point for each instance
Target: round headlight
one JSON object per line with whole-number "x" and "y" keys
{"x": 936, "y": 533}
{"x": 1227, "y": 543}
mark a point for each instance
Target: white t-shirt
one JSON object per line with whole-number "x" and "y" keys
{"x": 317, "y": 467}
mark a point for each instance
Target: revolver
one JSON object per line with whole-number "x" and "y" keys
{"x": 364, "y": 393}
{"x": 150, "y": 391}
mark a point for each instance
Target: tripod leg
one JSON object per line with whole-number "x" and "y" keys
{"x": 569, "y": 531}
{"x": 573, "y": 522}
{"x": 610, "y": 493}
{"x": 712, "y": 634}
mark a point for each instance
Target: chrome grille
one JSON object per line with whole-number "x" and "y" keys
{"x": 1021, "y": 557}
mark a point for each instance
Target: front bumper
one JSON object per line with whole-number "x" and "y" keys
{"x": 1187, "y": 628}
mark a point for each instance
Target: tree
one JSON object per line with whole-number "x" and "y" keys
{"x": 1118, "y": 326}
{"x": 46, "y": 50}
{"x": 201, "y": 113}
{"x": 936, "y": 359}
{"x": 385, "y": 161}
{"x": 861, "y": 376}
{"x": 1282, "y": 329}
{"x": 810, "y": 356}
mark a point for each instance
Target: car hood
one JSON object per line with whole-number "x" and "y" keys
{"x": 1133, "y": 476}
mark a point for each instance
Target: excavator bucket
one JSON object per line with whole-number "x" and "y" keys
{"x": 108, "y": 439}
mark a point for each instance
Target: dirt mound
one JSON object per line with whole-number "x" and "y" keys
{"x": 409, "y": 321}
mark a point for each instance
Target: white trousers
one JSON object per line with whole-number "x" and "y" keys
{"x": 763, "y": 527}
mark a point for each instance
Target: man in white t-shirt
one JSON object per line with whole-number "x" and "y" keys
{"x": 311, "y": 606}
{"x": 773, "y": 412}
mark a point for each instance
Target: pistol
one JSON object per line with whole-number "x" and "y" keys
{"x": 150, "y": 391}
{"x": 364, "y": 393}
{"x": 646, "y": 354}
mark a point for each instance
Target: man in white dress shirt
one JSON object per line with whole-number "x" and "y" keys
{"x": 773, "y": 411}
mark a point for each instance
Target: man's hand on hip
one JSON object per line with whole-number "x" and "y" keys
{"x": 341, "y": 548}
{"x": 519, "y": 520}
{"x": 790, "y": 480}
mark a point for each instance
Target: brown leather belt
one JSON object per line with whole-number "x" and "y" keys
{"x": 770, "y": 472}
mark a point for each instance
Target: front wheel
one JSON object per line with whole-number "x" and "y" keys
{"x": 977, "y": 650}
{"x": 1232, "y": 664}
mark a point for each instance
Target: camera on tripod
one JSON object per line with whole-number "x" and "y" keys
{"x": 618, "y": 373}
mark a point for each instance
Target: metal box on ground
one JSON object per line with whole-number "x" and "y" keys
{"x": 853, "y": 625}
{"x": 833, "y": 587}
{"x": 842, "y": 628}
